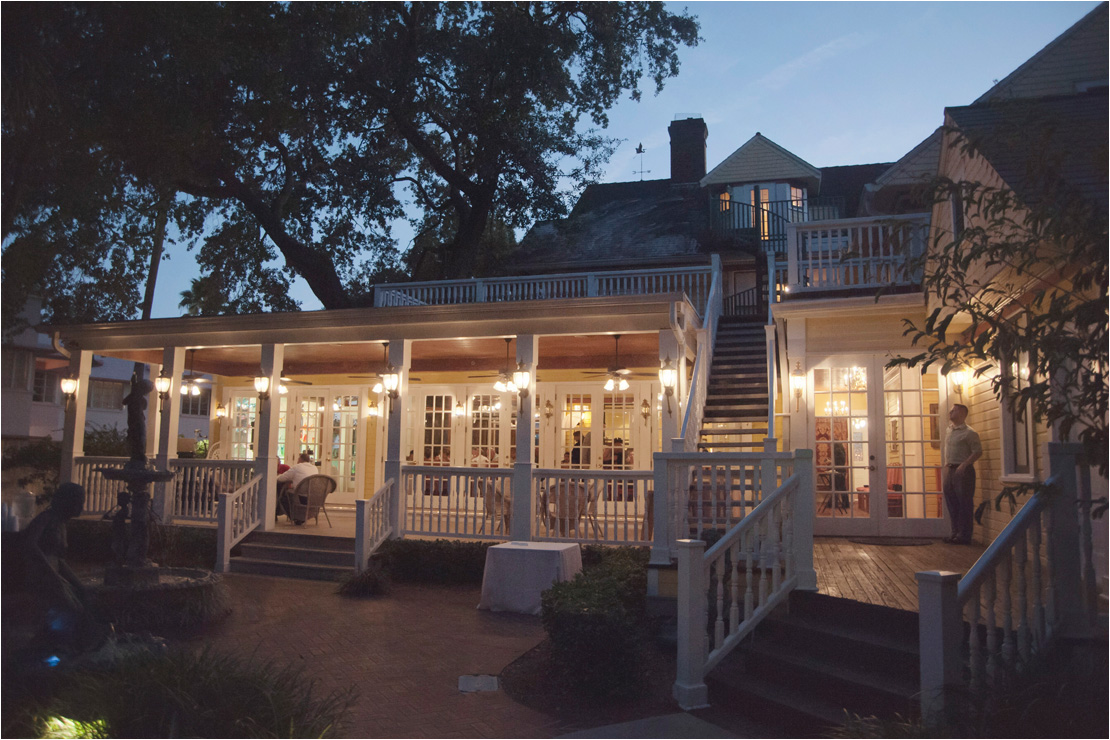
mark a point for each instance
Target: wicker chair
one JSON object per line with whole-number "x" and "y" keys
{"x": 309, "y": 496}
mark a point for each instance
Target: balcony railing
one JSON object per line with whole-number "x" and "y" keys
{"x": 693, "y": 281}
{"x": 769, "y": 220}
{"x": 855, "y": 253}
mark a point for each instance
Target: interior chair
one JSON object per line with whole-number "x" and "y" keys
{"x": 309, "y": 496}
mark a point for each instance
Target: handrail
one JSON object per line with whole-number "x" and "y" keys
{"x": 1002, "y": 544}
{"x": 372, "y": 523}
{"x": 789, "y": 485}
{"x": 695, "y": 401}
{"x": 237, "y": 515}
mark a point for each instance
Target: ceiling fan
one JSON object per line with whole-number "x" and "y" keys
{"x": 381, "y": 373}
{"x": 190, "y": 381}
{"x": 617, "y": 375}
{"x": 504, "y": 376}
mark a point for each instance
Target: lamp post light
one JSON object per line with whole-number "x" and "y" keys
{"x": 262, "y": 386}
{"x": 162, "y": 385}
{"x": 522, "y": 379}
{"x": 69, "y": 388}
{"x": 668, "y": 377}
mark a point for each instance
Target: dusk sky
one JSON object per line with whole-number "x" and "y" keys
{"x": 835, "y": 83}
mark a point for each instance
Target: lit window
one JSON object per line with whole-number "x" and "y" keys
{"x": 726, "y": 201}
{"x": 196, "y": 405}
{"x": 1018, "y": 439}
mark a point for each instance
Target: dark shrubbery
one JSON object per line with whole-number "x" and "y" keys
{"x": 180, "y": 547}
{"x": 374, "y": 581}
{"x": 441, "y": 561}
{"x": 598, "y": 626}
{"x": 181, "y": 693}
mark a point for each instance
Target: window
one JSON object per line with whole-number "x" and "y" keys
{"x": 196, "y": 405}
{"x": 106, "y": 394}
{"x": 45, "y": 387}
{"x": 1017, "y": 423}
{"x": 17, "y": 364}
{"x": 726, "y": 201}
{"x": 955, "y": 201}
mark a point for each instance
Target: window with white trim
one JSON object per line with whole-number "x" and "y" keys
{"x": 45, "y": 387}
{"x": 1018, "y": 439}
{"x": 196, "y": 405}
{"x": 106, "y": 394}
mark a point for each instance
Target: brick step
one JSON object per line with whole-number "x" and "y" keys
{"x": 301, "y": 538}
{"x": 281, "y": 569}
{"x": 287, "y": 554}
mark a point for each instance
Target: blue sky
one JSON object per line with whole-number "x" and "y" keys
{"x": 834, "y": 82}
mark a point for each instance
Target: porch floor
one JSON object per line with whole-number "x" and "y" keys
{"x": 884, "y": 574}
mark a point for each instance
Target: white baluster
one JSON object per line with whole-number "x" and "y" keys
{"x": 1022, "y": 557}
{"x": 992, "y": 628}
{"x": 734, "y": 610}
{"x": 719, "y": 624}
{"x": 1038, "y": 586}
{"x": 749, "y": 606}
{"x": 974, "y": 649}
{"x": 1008, "y": 648}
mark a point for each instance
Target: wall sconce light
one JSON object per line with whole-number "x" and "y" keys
{"x": 797, "y": 383}
{"x": 374, "y": 411}
{"x": 522, "y": 379}
{"x": 378, "y": 387}
{"x": 459, "y": 410}
{"x": 262, "y": 386}
{"x": 645, "y": 410}
{"x": 69, "y": 388}
{"x": 668, "y": 377}
{"x": 283, "y": 388}
{"x": 162, "y": 385}
{"x": 221, "y": 412}
{"x": 548, "y": 409}
{"x": 959, "y": 380}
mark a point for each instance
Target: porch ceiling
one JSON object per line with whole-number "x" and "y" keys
{"x": 444, "y": 355}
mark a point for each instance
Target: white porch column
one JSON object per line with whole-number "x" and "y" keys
{"x": 153, "y": 415}
{"x": 73, "y": 431}
{"x": 400, "y": 357}
{"x": 265, "y": 442}
{"x": 520, "y": 527}
{"x": 173, "y": 361}
{"x": 671, "y": 418}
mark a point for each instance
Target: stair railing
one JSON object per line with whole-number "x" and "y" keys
{"x": 237, "y": 515}
{"x": 1030, "y": 588}
{"x": 725, "y": 592}
{"x": 372, "y": 523}
{"x": 707, "y": 336}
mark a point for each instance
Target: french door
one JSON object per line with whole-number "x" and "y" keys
{"x": 875, "y": 433}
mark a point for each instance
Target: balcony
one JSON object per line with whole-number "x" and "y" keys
{"x": 852, "y": 254}
{"x": 769, "y": 220}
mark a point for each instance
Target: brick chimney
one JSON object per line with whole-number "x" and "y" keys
{"x": 688, "y": 149}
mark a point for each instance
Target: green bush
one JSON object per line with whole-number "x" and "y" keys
{"x": 42, "y": 456}
{"x": 180, "y": 693}
{"x": 106, "y": 441}
{"x": 597, "y": 625}
{"x": 440, "y": 561}
{"x": 374, "y": 581}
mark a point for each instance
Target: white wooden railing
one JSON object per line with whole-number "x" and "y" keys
{"x": 196, "y": 484}
{"x": 100, "y": 493}
{"x": 693, "y": 281}
{"x": 460, "y": 502}
{"x": 611, "y": 507}
{"x": 854, "y": 253}
{"x": 711, "y": 491}
{"x": 372, "y": 523}
{"x": 1032, "y": 586}
{"x": 725, "y": 592}
{"x": 699, "y": 384}
{"x": 237, "y": 515}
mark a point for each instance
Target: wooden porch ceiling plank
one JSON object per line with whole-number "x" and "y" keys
{"x": 556, "y": 317}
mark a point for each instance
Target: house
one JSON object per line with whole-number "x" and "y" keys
{"x": 707, "y": 351}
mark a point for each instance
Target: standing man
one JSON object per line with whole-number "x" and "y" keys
{"x": 961, "y": 449}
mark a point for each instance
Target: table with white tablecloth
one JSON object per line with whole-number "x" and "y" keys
{"x": 518, "y": 572}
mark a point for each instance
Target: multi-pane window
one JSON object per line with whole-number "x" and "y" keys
{"x": 17, "y": 368}
{"x": 913, "y": 457}
{"x": 438, "y": 411}
{"x": 344, "y": 440}
{"x": 575, "y": 429}
{"x": 1017, "y": 427}
{"x": 106, "y": 394}
{"x": 196, "y": 405}
{"x": 725, "y": 201}
{"x": 45, "y": 387}
{"x": 244, "y": 411}
{"x": 485, "y": 430}
{"x": 618, "y": 410}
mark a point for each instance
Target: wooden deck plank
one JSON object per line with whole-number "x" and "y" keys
{"x": 883, "y": 574}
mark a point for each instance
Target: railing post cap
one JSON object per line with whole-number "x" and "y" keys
{"x": 936, "y": 576}
{"x": 803, "y": 454}
{"x": 690, "y": 544}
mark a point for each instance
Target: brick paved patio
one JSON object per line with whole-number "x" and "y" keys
{"x": 403, "y": 653}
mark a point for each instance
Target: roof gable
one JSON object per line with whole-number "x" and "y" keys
{"x": 761, "y": 160}
{"x": 917, "y": 166}
{"x": 1076, "y": 57}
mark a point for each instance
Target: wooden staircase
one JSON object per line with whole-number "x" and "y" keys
{"x": 735, "y": 417}
{"x": 804, "y": 667}
{"x": 286, "y": 555}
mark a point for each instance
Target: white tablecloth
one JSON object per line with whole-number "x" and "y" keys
{"x": 517, "y": 572}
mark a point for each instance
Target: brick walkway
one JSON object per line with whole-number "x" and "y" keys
{"x": 403, "y": 653}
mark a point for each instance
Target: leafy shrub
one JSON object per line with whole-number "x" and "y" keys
{"x": 183, "y": 693}
{"x": 374, "y": 581}
{"x": 43, "y": 458}
{"x": 441, "y": 561}
{"x": 106, "y": 441}
{"x": 597, "y": 625}
{"x": 90, "y": 540}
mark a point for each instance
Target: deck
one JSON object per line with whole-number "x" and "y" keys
{"x": 884, "y": 574}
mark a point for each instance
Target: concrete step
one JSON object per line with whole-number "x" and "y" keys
{"x": 302, "y": 538}
{"x": 314, "y": 556}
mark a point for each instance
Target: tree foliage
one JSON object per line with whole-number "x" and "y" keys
{"x": 284, "y": 139}
{"x": 1028, "y": 274}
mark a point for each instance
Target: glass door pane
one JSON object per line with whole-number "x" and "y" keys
{"x": 577, "y": 418}
{"x": 842, "y": 455}
{"x": 311, "y": 432}
{"x": 912, "y": 423}
{"x": 343, "y": 462}
{"x": 244, "y": 412}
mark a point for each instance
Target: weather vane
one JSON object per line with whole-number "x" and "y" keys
{"x": 641, "y": 171}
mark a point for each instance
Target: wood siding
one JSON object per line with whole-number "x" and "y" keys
{"x": 869, "y": 334}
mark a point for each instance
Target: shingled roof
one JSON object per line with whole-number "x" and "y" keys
{"x": 1036, "y": 145}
